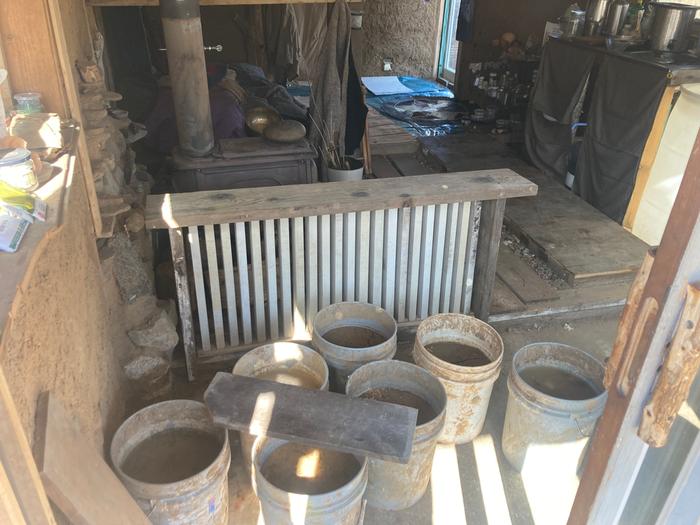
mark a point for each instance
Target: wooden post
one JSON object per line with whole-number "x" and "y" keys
{"x": 487, "y": 256}
{"x": 177, "y": 249}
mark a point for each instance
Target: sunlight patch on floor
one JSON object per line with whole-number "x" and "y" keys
{"x": 492, "y": 491}
{"x": 446, "y": 487}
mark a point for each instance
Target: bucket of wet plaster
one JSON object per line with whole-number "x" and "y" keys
{"x": 349, "y": 335}
{"x": 555, "y": 397}
{"x": 396, "y": 486}
{"x": 174, "y": 461}
{"x": 466, "y": 355}
{"x": 288, "y": 363}
{"x": 298, "y": 483}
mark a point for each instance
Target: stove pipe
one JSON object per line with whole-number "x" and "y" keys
{"x": 182, "y": 28}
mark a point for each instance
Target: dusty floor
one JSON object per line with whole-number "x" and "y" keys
{"x": 473, "y": 483}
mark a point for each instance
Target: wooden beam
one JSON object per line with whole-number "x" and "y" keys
{"x": 303, "y": 200}
{"x": 490, "y": 227}
{"x": 121, "y": 3}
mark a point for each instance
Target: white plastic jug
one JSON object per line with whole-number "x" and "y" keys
{"x": 669, "y": 166}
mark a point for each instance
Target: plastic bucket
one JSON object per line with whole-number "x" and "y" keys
{"x": 344, "y": 332}
{"x": 201, "y": 498}
{"x": 355, "y": 172}
{"x": 395, "y": 486}
{"x": 289, "y": 363}
{"x": 468, "y": 387}
{"x": 340, "y": 506}
{"x": 555, "y": 396}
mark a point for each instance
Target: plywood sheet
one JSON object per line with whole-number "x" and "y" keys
{"x": 75, "y": 476}
{"x": 319, "y": 418}
{"x": 517, "y": 274}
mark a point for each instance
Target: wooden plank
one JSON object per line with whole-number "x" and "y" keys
{"x": 257, "y": 271}
{"x": 243, "y": 282}
{"x": 472, "y": 245}
{"x": 314, "y": 417}
{"x": 449, "y": 258}
{"x": 461, "y": 257}
{"x": 271, "y": 278}
{"x": 487, "y": 256}
{"x": 324, "y": 260}
{"x": 522, "y": 279}
{"x": 200, "y": 293}
{"x": 230, "y": 283}
{"x": 177, "y": 250}
{"x": 76, "y": 477}
{"x": 376, "y": 251}
{"x": 426, "y": 261}
{"x": 232, "y": 206}
{"x": 651, "y": 148}
{"x": 19, "y": 465}
{"x": 10, "y": 511}
{"x": 402, "y": 264}
{"x": 409, "y": 165}
{"x": 362, "y": 253}
{"x": 391, "y": 228}
{"x": 337, "y": 257}
{"x": 312, "y": 295}
{"x": 349, "y": 259}
{"x": 298, "y": 277}
{"x": 383, "y": 168}
{"x": 437, "y": 272}
{"x": 414, "y": 251}
{"x": 214, "y": 285}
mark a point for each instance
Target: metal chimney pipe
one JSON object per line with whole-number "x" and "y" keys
{"x": 182, "y": 28}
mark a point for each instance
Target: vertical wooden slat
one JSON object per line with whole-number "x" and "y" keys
{"x": 474, "y": 221}
{"x": 486, "y": 256}
{"x": 285, "y": 252}
{"x": 349, "y": 263}
{"x": 337, "y": 258}
{"x": 438, "y": 258}
{"x": 449, "y": 258}
{"x": 414, "y": 254}
{"x": 426, "y": 259}
{"x": 362, "y": 266}
{"x": 230, "y": 282}
{"x": 243, "y": 283}
{"x": 402, "y": 264}
{"x": 177, "y": 250}
{"x": 214, "y": 287}
{"x": 324, "y": 261}
{"x": 376, "y": 257}
{"x": 256, "y": 268}
{"x": 390, "y": 267}
{"x": 298, "y": 273}
{"x": 461, "y": 257}
{"x": 271, "y": 278}
{"x": 195, "y": 255}
{"x": 311, "y": 227}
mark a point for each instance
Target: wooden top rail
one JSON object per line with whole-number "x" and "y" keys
{"x": 175, "y": 210}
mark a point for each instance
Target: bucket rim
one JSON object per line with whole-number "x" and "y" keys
{"x": 165, "y": 489}
{"x": 549, "y": 402}
{"x": 354, "y": 483}
{"x": 306, "y": 350}
{"x": 492, "y": 366}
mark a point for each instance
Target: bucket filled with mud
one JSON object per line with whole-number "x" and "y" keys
{"x": 349, "y": 335}
{"x": 174, "y": 461}
{"x": 287, "y": 363}
{"x": 466, "y": 355}
{"x": 395, "y": 486}
{"x": 299, "y": 483}
{"x": 555, "y": 397}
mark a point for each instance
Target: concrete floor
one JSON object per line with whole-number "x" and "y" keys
{"x": 473, "y": 483}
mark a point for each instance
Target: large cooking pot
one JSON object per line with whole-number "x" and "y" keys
{"x": 670, "y": 29}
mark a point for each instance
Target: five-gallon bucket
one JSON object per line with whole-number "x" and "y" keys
{"x": 555, "y": 397}
{"x": 348, "y": 335}
{"x": 394, "y": 486}
{"x": 174, "y": 461}
{"x": 465, "y": 354}
{"x": 303, "y": 484}
{"x": 288, "y": 363}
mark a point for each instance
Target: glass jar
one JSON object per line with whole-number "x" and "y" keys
{"x": 17, "y": 169}
{"x": 26, "y": 103}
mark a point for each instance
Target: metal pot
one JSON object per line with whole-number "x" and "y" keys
{"x": 595, "y": 16}
{"x": 615, "y": 20}
{"x": 670, "y": 29}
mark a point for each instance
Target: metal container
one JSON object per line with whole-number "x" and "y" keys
{"x": 534, "y": 419}
{"x": 615, "y": 20}
{"x": 595, "y": 16}
{"x": 395, "y": 486}
{"x": 670, "y": 29}
{"x": 201, "y": 499}
{"x": 344, "y": 360}
{"x": 468, "y": 387}
{"x": 342, "y": 506}
{"x": 289, "y": 363}
{"x": 572, "y": 25}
